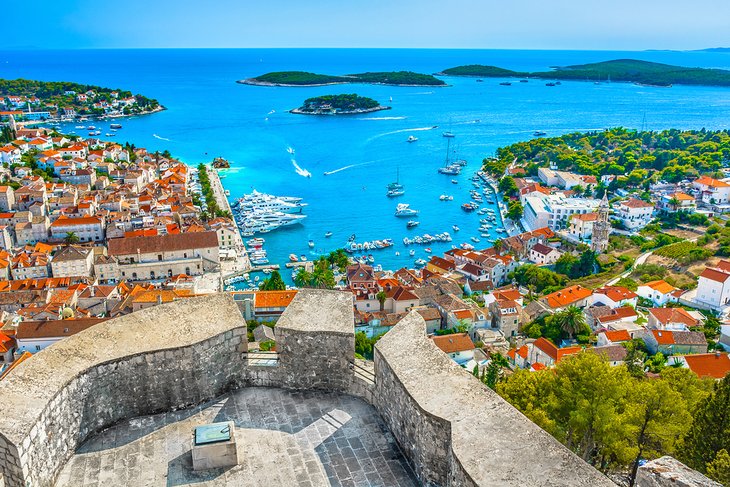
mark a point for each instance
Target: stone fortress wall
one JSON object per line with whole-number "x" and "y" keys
{"x": 453, "y": 430}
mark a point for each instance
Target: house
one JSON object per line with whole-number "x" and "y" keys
{"x": 658, "y": 292}
{"x": 545, "y": 352}
{"x": 106, "y": 269}
{"x": 7, "y": 199}
{"x": 160, "y": 256}
{"x": 678, "y": 319}
{"x": 72, "y": 261}
{"x": 713, "y": 285}
{"x": 147, "y": 298}
{"x": 87, "y": 229}
{"x": 613, "y": 354}
{"x": 7, "y": 348}
{"x": 575, "y": 295}
{"x": 457, "y": 346}
{"x": 269, "y": 305}
{"x": 712, "y": 191}
{"x": 674, "y": 342}
{"x": 677, "y": 202}
{"x": 542, "y": 254}
{"x": 432, "y": 317}
{"x": 439, "y": 265}
{"x": 400, "y": 299}
{"x": 615, "y": 296}
{"x": 619, "y": 319}
{"x": 519, "y": 356}
{"x": 505, "y": 315}
{"x": 634, "y": 214}
{"x": 34, "y": 336}
{"x": 608, "y": 337}
{"x": 715, "y": 365}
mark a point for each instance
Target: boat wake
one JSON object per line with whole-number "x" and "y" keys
{"x": 301, "y": 171}
{"x": 382, "y": 118}
{"x": 424, "y": 93}
{"x": 417, "y": 129}
{"x": 161, "y": 138}
{"x": 327, "y": 173}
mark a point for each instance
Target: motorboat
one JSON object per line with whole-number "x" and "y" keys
{"x": 454, "y": 181}
{"x": 393, "y": 193}
{"x": 115, "y": 126}
{"x": 539, "y": 133}
{"x": 455, "y": 228}
{"x": 475, "y": 240}
{"x": 328, "y": 235}
{"x": 411, "y": 252}
{"x": 293, "y": 258}
{"x": 311, "y": 244}
{"x": 412, "y": 223}
{"x": 448, "y": 135}
{"x": 506, "y": 83}
{"x": 404, "y": 209}
{"x": 427, "y": 250}
{"x": 411, "y": 138}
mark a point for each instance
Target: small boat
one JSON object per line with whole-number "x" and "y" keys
{"x": 420, "y": 262}
{"x": 539, "y": 133}
{"x": 475, "y": 240}
{"x": 448, "y": 134}
{"x": 303, "y": 258}
{"x": 506, "y": 83}
{"x": 558, "y": 83}
{"x": 311, "y": 244}
{"x": 109, "y": 134}
{"x": 455, "y": 228}
{"x": 549, "y": 84}
{"x": 115, "y": 126}
{"x": 412, "y": 223}
{"x": 81, "y": 127}
{"x": 411, "y": 252}
{"x": 480, "y": 80}
{"x": 290, "y": 150}
{"x": 293, "y": 258}
{"x": 227, "y": 193}
{"x": 391, "y": 99}
{"x": 328, "y": 235}
{"x": 523, "y": 81}
{"x": 411, "y": 138}
{"x": 454, "y": 181}
{"x": 427, "y": 250}
{"x": 393, "y": 193}
{"x": 91, "y": 127}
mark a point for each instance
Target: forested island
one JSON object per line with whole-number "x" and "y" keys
{"x": 303, "y": 78}
{"x": 339, "y": 105}
{"x": 636, "y": 158}
{"x": 624, "y": 70}
{"x": 63, "y": 98}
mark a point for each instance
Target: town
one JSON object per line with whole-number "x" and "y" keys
{"x": 92, "y": 230}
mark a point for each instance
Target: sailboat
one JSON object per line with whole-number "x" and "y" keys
{"x": 449, "y": 167}
{"x": 396, "y": 188}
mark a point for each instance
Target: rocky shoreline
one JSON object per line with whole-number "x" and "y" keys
{"x": 330, "y": 112}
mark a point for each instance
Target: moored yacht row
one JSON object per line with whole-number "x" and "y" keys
{"x": 261, "y": 213}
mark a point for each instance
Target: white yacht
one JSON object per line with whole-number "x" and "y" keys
{"x": 412, "y": 138}
{"x": 404, "y": 209}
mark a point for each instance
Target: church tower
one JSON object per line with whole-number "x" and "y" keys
{"x": 602, "y": 227}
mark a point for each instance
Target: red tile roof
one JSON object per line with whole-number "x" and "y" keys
{"x": 458, "y": 342}
{"x": 567, "y": 296}
{"x": 617, "y": 336}
{"x": 715, "y": 275}
{"x": 716, "y": 365}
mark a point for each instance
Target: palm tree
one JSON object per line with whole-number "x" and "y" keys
{"x": 674, "y": 203}
{"x": 381, "y": 296}
{"x": 571, "y": 320}
{"x": 498, "y": 244}
{"x": 71, "y": 238}
{"x": 303, "y": 278}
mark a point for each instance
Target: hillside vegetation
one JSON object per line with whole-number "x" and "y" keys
{"x": 627, "y": 70}
{"x": 303, "y": 78}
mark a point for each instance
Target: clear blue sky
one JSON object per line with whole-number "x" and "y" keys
{"x": 518, "y": 24}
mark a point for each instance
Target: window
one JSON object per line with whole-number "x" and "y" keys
{"x": 159, "y": 257}
{"x": 134, "y": 275}
{"x": 37, "y": 348}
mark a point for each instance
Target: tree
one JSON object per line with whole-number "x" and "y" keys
{"x": 498, "y": 244}
{"x": 655, "y": 417}
{"x": 710, "y": 430}
{"x": 514, "y": 210}
{"x": 635, "y": 357}
{"x": 71, "y": 238}
{"x": 571, "y": 320}
{"x": 381, "y": 297}
{"x": 507, "y": 186}
{"x": 719, "y": 468}
{"x": 273, "y": 283}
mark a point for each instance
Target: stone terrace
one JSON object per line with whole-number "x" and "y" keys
{"x": 284, "y": 438}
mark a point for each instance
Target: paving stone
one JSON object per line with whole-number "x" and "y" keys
{"x": 307, "y": 439}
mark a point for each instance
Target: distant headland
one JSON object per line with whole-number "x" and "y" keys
{"x": 624, "y": 70}
{"x": 303, "y": 78}
{"x": 51, "y": 100}
{"x": 351, "y": 104}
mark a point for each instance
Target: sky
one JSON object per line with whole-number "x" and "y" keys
{"x": 476, "y": 24}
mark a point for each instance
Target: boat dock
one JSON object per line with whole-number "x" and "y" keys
{"x": 308, "y": 265}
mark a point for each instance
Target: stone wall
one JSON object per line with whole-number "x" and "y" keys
{"x": 457, "y": 432}
{"x": 668, "y": 472}
{"x": 160, "y": 359}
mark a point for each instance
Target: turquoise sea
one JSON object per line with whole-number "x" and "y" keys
{"x": 210, "y": 115}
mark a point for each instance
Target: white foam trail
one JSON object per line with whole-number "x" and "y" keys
{"x": 424, "y": 93}
{"x": 161, "y": 138}
{"x": 417, "y": 129}
{"x": 272, "y": 111}
{"x": 382, "y": 118}
{"x": 327, "y": 173}
{"x": 302, "y": 172}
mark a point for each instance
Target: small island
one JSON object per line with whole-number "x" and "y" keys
{"x": 303, "y": 78}
{"x": 61, "y": 100}
{"x": 623, "y": 70}
{"x": 349, "y": 104}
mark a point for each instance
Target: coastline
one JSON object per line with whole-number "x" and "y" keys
{"x": 357, "y": 111}
{"x": 160, "y": 108}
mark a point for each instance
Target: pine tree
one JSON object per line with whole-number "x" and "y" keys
{"x": 273, "y": 283}
{"x": 710, "y": 431}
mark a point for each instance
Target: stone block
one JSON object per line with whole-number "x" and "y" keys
{"x": 216, "y": 455}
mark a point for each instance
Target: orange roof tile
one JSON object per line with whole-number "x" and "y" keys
{"x": 274, "y": 299}
{"x": 716, "y": 365}
{"x": 661, "y": 286}
{"x": 617, "y": 336}
{"x": 567, "y": 296}
{"x": 458, "y": 342}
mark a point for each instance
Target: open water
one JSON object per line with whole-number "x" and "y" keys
{"x": 210, "y": 115}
